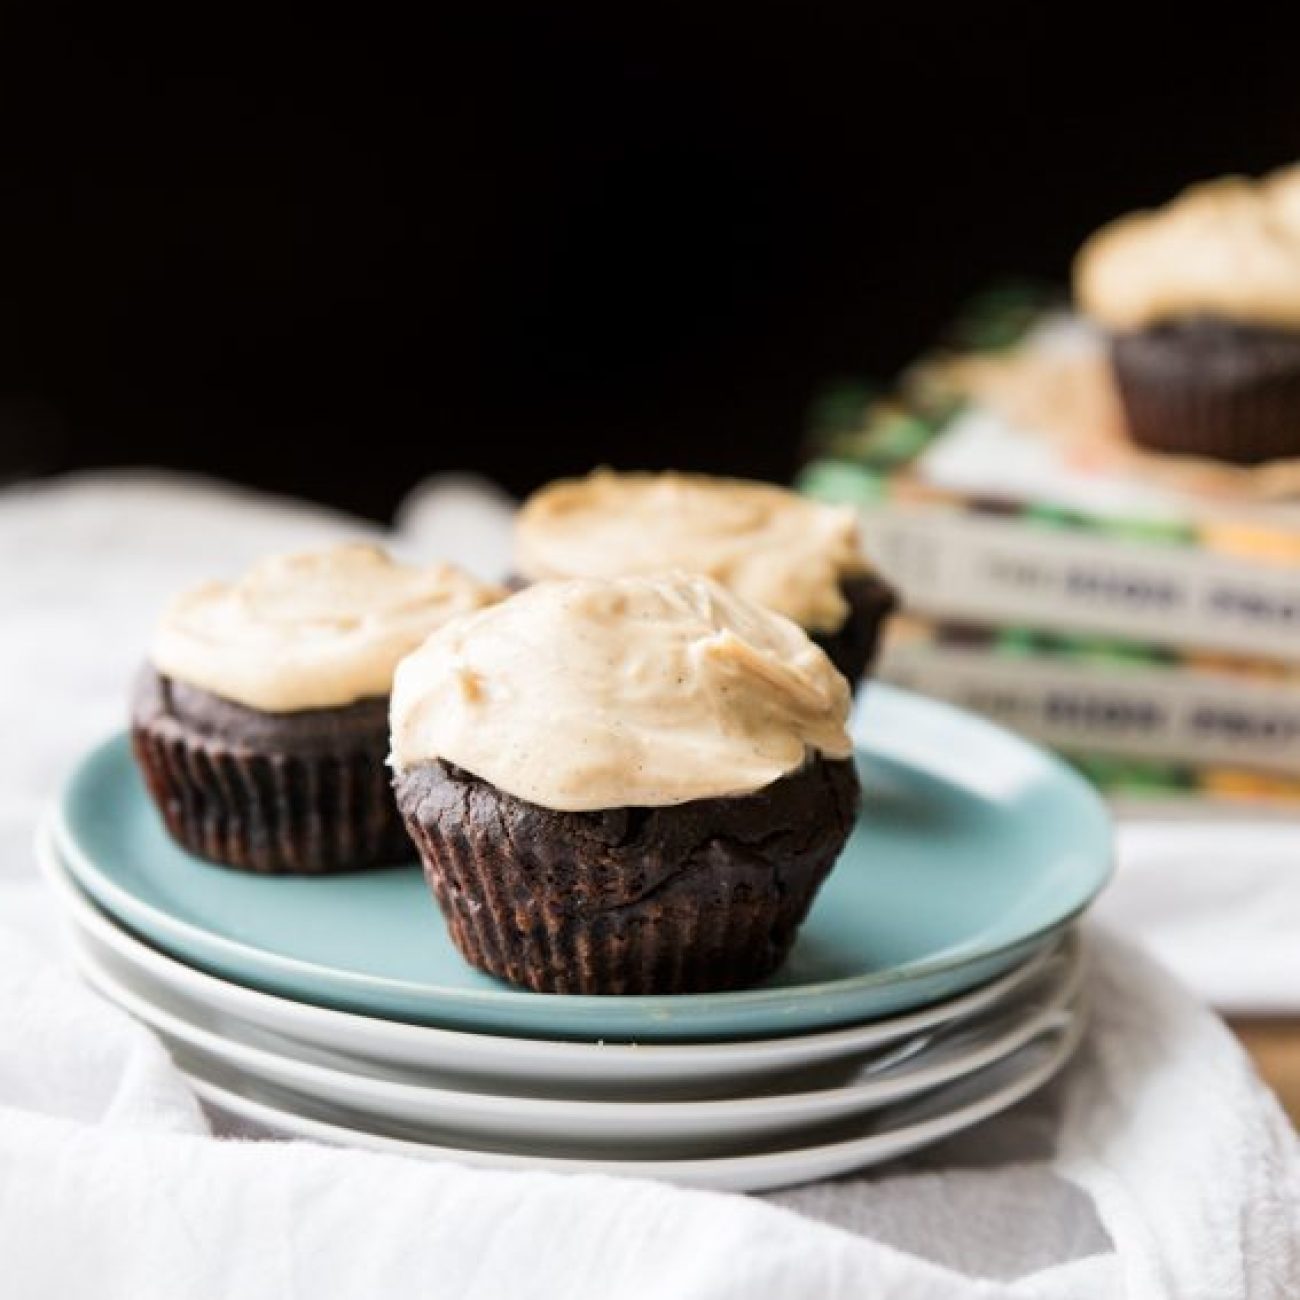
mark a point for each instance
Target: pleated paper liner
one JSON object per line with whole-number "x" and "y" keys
{"x": 272, "y": 813}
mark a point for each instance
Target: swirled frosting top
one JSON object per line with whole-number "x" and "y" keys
{"x": 1229, "y": 248}
{"x": 628, "y": 692}
{"x": 765, "y": 543}
{"x": 314, "y": 630}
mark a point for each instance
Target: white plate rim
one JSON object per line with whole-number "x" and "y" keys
{"x": 565, "y": 1058}
{"x": 603, "y": 1118}
{"x": 756, "y": 1171}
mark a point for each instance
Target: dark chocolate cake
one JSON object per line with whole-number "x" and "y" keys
{"x": 1216, "y": 388}
{"x": 852, "y": 648}
{"x": 681, "y": 899}
{"x": 304, "y": 792}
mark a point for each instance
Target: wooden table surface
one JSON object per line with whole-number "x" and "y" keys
{"x": 1274, "y": 1046}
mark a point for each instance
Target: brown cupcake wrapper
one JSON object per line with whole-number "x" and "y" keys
{"x": 1243, "y": 408}
{"x": 679, "y": 940}
{"x": 271, "y": 813}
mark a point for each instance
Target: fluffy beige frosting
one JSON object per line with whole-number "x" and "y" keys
{"x": 630, "y": 692}
{"x": 314, "y": 630}
{"x": 1229, "y": 248}
{"x": 765, "y": 543}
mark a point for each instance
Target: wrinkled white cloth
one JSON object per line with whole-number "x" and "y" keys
{"x": 1156, "y": 1167}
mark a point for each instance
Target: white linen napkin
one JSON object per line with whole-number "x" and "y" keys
{"x": 1157, "y": 1167}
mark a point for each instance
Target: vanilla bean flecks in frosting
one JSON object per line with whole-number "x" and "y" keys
{"x": 314, "y": 630}
{"x": 1229, "y": 248}
{"x": 765, "y": 543}
{"x": 631, "y": 692}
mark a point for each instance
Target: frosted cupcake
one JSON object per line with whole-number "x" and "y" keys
{"x": 260, "y": 721}
{"x": 1201, "y": 299}
{"x": 624, "y": 786}
{"x": 798, "y": 557}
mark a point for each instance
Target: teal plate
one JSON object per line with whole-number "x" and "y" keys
{"x": 972, "y": 848}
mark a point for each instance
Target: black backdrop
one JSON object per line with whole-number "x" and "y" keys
{"x": 332, "y": 255}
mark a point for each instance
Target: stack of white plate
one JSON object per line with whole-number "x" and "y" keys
{"x": 937, "y": 982}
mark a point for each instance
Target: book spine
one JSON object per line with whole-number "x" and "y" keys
{"x": 1171, "y": 714}
{"x": 957, "y": 565}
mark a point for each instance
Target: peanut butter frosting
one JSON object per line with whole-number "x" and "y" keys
{"x": 1229, "y": 248}
{"x": 765, "y": 543}
{"x": 630, "y": 692}
{"x": 314, "y": 630}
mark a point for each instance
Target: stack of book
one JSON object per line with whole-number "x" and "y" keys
{"x": 1140, "y": 614}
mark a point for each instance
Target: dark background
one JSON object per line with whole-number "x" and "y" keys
{"x": 330, "y": 257}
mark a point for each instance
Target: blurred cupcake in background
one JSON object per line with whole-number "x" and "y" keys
{"x": 798, "y": 557}
{"x": 260, "y": 721}
{"x": 1201, "y": 299}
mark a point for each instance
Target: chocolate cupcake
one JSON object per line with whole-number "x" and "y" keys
{"x": 798, "y": 557}
{"x": 1201, "y": 300}
{"x": 260, "y": 721}
{"x": 621, "y": 786}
